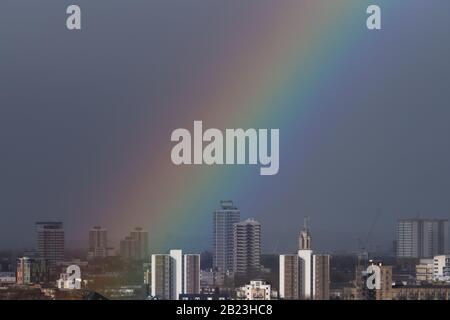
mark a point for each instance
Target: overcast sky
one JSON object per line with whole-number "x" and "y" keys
{"x": 73, "y": 107}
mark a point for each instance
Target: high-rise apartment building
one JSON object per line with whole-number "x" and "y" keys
{"x": 321, "y": 277}
{"x": 422, "y": 238}
{"x": 191, "y": 273}
{"x": 161, "y": 269}
{"x": 141, "y": 238}
{"x": 247, "y": 247}
{"x": 135, "y": 246}
{"x": 289, "y": 277}
{"x": 304, "y": 275}
{"x": 98, "y": 242}
{"x": 50, "y": 243}
{"x": 23, "y": 271}
{"x": 174, "y": 274}
{"x": 223, "y": 235}
{"x": 128, "y": 248}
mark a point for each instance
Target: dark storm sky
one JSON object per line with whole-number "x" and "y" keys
{"x": 71, "y": 109}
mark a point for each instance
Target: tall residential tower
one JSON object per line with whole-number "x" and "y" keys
{"x": 223, "y": 222}
{"x": 50, "y": 243}
{"x": 422, "y": 238}
{"x": 247, "y": 247}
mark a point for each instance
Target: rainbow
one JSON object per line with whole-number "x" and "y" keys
{"x": 268, "y": 79}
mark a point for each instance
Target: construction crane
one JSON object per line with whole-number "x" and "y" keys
{"x": 363, "y": 255}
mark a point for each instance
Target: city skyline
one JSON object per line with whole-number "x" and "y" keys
{"x": 114, "y": 246}
{"x": 97, "y": 233}
{"x": 237, "y": 270}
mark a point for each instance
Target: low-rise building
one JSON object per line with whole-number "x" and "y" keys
{"x": 441, "y": 268}
{"x": 255, "y": 290}
{"x": 424, "y": 271}
{"x": 421, "y": 292}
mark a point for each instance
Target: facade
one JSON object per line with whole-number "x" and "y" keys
{"x": 385, "y": 291}
{"x": 172, "y": 275}
{"x": 191, "y": 273}
{"x": 50, "y": 243}
{"x": 204, "y": 296}
{"x": 255, "y": 290}
{"x": 247, "y": 247}
{"x": 223, "y": 222}
{"x": 429, "y": 292}
{"x": 289, "y": 277}
{"x": 321, "y": 277}
{"x": 441, "y": 268}
{"x": 211, "y": 279}
{"x": 98, "y": 242}
{"x": 161, "y": 277}
{"x": 424, "y": 271}
{"x": 176, "y": 274}
{"x": 7, "y": 277}
{"x": 33, "y": 270}
{"x": 23, "y": 271}
{"x": 421, "y": 238}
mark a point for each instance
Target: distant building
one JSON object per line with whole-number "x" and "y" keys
{"x": 424, "y": 271}
{"x": 223, "y": 232}
{"x": 147, "y": 267}
{"x": 422, "y": 238}
{"x": 128, "y": 248}
{"x": 191, "y": 273}
{"x": 289, "y": 277}
{"x": 135, "y": 246}
{"x": 50, "y": 243}
{"x": 211, "y": 279}
{"x": 321, "y": 277}
{"x": 141, "y": 238}
{"x": 204, "y": 296}
{"x": 391, "y": 291}
{"x": 255, "y": 290}
{"x": 422, "y": 292}
{"x": 441, "y": 268}
{"x": 247, "y": 247}
{"x": 98, "y": 242}
{"x": 33, "y": 270}
{"x": 7, "y": 277}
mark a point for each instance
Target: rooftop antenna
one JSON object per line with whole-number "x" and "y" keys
{"x": 305, "y": 222}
